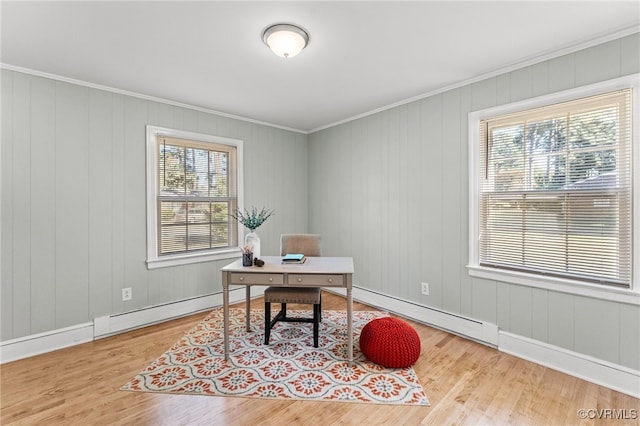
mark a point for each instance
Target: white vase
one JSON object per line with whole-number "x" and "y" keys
{"x": 252, "y": 239}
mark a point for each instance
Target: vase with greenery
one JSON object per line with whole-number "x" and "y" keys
{"x": 252, "y": 220}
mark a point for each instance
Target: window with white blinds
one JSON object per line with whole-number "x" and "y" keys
{"x": 193, "y": 184}
{"x": 196, "y": 195}
{"x": 555, "y": 190}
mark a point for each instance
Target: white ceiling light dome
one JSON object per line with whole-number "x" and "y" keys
{"x": 285, "y": 40}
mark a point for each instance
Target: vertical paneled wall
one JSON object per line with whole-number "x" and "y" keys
{"x": 391, "y": 189}
{"x": 74, "y": 201}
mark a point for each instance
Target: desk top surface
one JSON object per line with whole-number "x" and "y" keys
{"x": 313, "y": 265}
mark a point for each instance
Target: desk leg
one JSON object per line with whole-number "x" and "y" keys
{"x": 247, "y": 307}
{"x": 350, "y": 324}
{"x": 225, "y": 302}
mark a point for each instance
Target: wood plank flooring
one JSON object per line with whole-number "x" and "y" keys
{"x": 467, "y": 384}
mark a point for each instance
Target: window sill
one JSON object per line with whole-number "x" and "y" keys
{"x": 167, "y": 261}
{"x": 557, "y": 284}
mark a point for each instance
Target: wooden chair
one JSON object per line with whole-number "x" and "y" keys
{"x": 309, "y": 245}
{"x": 284, "y": 295}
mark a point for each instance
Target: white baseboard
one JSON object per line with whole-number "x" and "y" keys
{"x": 613, "y": 376}
{"x": 610, "y": 375}
{"x": 36, "y": 344}
{"x": 24, "y": 347}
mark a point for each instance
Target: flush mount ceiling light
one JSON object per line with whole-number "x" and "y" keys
{"x": 285, "y": 40}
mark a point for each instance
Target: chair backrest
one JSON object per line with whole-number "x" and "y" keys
{"x": 307, "y": 244}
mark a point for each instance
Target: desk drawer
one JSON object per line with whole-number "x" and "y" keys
{"x": 316, "y": 280}
{"x": 257, "y": 279}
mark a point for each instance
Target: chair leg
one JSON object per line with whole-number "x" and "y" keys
{"x": 282, "y": 316}
{"x": 316, "y": 321}
{"x": 267, "y": 322}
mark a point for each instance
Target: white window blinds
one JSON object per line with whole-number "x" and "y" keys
{"x": 555, "y": 190}
{"x": 197, "y": 191}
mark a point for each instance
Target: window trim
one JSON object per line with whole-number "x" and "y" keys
{"x": 630, "y": 295}
{"x": 153, "y": 260}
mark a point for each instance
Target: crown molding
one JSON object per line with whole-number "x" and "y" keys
{"x": 142, "y": 96}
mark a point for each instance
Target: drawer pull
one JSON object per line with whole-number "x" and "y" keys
{"x": 270, "y": 279}
{"x": 241, "y": 278}
{"x": 330, "y": 280}
{"x": 299, "y": 280}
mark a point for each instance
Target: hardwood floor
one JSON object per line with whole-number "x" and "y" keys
{"x": 466, "y": 382}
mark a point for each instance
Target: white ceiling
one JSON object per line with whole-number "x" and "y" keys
{"x": 362, "y": 56}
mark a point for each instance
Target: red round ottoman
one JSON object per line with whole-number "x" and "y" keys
{"x": 390, "y": 342}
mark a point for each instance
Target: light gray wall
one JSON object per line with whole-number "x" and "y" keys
{"x": 391, "y": 190}
{"x": 74, "y": 204}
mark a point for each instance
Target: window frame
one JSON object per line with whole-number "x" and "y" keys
{"x": 154, "y": 260}
{"x": 626, "y": 295}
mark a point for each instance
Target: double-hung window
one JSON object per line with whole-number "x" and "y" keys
{"x": 552, "y": 190}
{"x": 193, "y": 186}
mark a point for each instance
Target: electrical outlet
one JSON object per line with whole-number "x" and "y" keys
{"x": 127, "y": 294}
{"x": 425, "y": 289}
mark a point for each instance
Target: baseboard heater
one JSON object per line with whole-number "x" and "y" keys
{"x": 113, "y": 324}
{"x": 604, "y": 373}
{"x": 482, "y": 332}
{"x": 36, "y": 344}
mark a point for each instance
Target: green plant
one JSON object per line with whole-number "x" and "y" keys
{"x": 251, "y": 219}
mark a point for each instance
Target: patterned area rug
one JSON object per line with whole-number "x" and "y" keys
{"x": 289, "y": 368}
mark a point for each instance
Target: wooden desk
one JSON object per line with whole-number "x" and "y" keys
{"x": 315, "y": 272}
